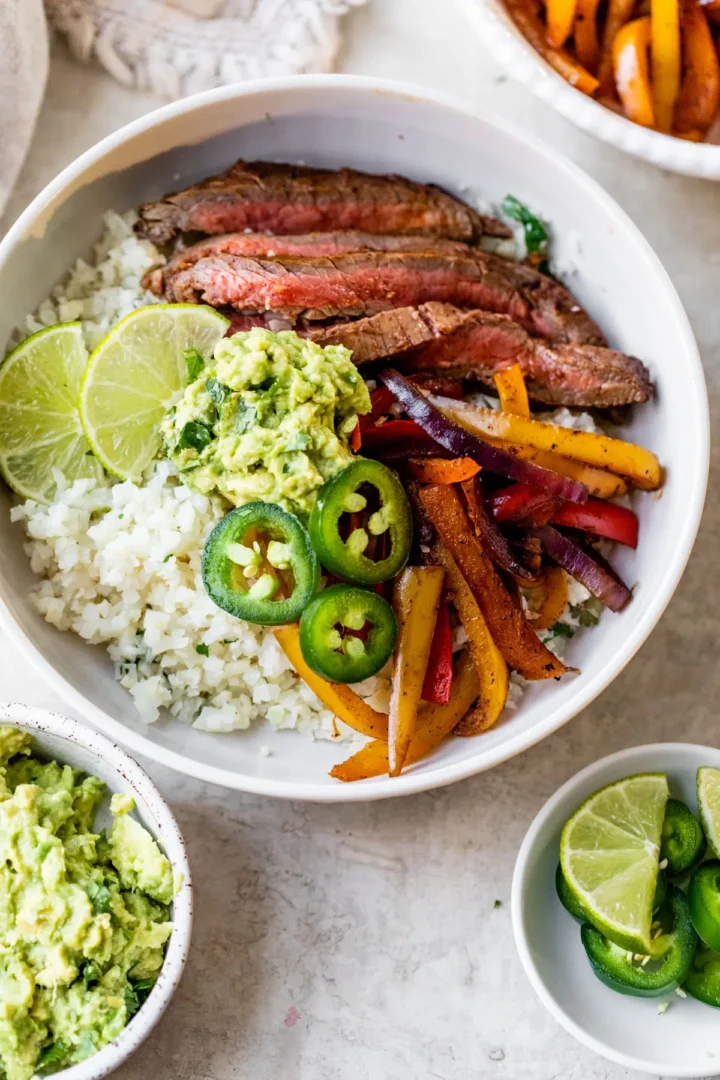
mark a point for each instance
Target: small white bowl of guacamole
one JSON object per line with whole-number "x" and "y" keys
{"x": 95, "y": 900}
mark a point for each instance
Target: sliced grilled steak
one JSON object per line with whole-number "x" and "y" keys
{"x": 365, "y": 283}
{"x": 268, "y": 246}
{"x": 439, "y": 340}
{"x": 286, "y": 199}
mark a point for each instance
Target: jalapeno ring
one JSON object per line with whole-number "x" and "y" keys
{"x": 704, "y": 901}
{"x": 682, "y": 837}
{"x": 228, "y": 566}
{"x": 347, "y": 659}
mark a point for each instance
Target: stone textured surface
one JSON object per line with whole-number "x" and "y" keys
{"x": 362, "y": 941}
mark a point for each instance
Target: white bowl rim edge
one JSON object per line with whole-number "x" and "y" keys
{"x": 421, "y": 780}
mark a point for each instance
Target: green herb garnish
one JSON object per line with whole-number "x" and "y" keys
{"x": 195, "y": 363}
{"x": 99, "y": 897}
{"x": 536, "y": 237}
{"x": 204, "y": 650}
{"x": 52, "y": 1055}
{"x": 217, "y": 391}
{"x": 194, "y": 436}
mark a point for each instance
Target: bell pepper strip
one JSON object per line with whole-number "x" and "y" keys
{"x": 435, "y": 722}
{"x": 519, "y": 504}
{"x": 631, "y": 70}
{"x": 347, "y": 634}
{"x": 380, "y": 402}
{"x": 704, "y": 901}
{"x": 673, "y": 952}
{"x": 602, "y": 519}
{"x": 442, "y": 471}
{"x": 489, "y": 662}
{"x": 356, "y": 438}
{"x": 665, "y": 59}
{"x": 346, "y": 556}
{"x": 559, "y": 16}
{"x": 416, "y": 600}
{"x": 342, "y": 702}
{"x": 683, "y": 840}
{"x": 517, "y": 642}
{"x": 585, "y": 33}
{"x": 619, "y": 12}
{"x": 554, "y": 599}
{"x": 437, "y": 686}
{"x": 338, "y": 698}
{"x": 634, "y": 462}
{"x": 699, "y": 96}
{"x": 403, "y": 435}
{"x": 248, "y": 582}
{"x": 494, "y": 542}
{"x": 598, "y": 580}
{"x": 599, "y": 482}
{"x": 530, "y": 25}
{"x": 510, "y": 385}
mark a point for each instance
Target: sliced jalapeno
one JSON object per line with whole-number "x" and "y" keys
{"x": 668, "y": 966}
{"x": 703, "y": 978}
{"x": 355, "y": 491}
{"x": 682, "y": 837}
{"x": 259, "y": 565}
{"x": 704, "y": 901}
{"x": 336, "y": 640}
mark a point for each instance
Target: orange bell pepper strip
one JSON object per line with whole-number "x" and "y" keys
{"x": 441, "y": 470}
{"x": 559, "y": 15}
{"x": 530, "y": 25}
{"x": 510, "y": 385}
{"x": 585, "y": 33}
{"x": 554, "y": 599}
{"x": 634, "y": 462}
{"x": 489, "y": 661}
{"x": 435, "y": 722}
{"x": 417, "y": 591}
{"x": 618, "y": 13}
{"x": 356, "y": 438}
{"x": 699, "y": 95}
{"x": 666, "y": 59}
{"x": 632, "y": 71}
{"x": 340, "y": 699}
{"x": 520, "y": 647}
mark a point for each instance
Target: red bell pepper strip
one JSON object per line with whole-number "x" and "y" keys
{"x": 356, "y": 438}
{"x": 520, "y": 504}
{"x": 437, "y": 686}
{"x": 380, "y": 400}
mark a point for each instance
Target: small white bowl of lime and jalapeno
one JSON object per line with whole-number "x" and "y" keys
{"x": 629, "y": 849}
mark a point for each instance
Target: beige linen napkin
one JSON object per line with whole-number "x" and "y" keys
{"x": 23, "y": 74}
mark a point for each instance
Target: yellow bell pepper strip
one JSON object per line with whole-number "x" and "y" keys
{"x": 341, "y": 700}
{"x": 416, "y": 600}
{"x": 633, "y": 462}
{"x": 585, "y": 33}
{"x": 699, "y": 95}
{"x": 521, "y": 648}
{"x": 489, "y": 661}
{"x": 435, "y": 722}
{"x": 632, "y": 72}
{"x": 510, "y": 385}
{"x": 554, "y": 592}
{"x": 601, "y": 484}
{"x": 527, "y": 19}
{"x": 665, "y": 59}
{"x": 618, "y": 13}
{"x": 559, "y": 16}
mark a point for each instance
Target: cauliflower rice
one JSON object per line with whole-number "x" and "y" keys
{"x": 120, "y": 562}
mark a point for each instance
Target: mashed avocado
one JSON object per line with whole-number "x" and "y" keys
{"x": 269, "y": 419}
{"x": 84, "y": 917}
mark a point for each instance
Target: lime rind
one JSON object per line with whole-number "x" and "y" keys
{"x": 40, "y": 429}
{"x": 708, "y": 797}
{"x": 609, "y": 853}
{"x": 138, "y": 372}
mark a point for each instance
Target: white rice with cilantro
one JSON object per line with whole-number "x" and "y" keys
{"x": 119, "y": 563}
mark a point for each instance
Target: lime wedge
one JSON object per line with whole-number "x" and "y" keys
{"x": 136, "y": 374}
{"x": 708, "y": 797}
{"x": 40, "y": 428}
{"x": 609, "y": 852}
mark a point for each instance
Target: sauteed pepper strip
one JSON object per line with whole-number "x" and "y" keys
{"x": 699, "y": 95}
{"x": 510, "y": 385}
{"x": 632, "y": 71}
{"x": 341, "y": 654}
{"x": 666, "y": 60}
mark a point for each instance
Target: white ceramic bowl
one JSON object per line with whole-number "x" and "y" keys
{"x": 685, "y": 1040}
{"x": 510, "y": 48}
{"x": 70, "y": 743}
{"x": 341, "y": 120}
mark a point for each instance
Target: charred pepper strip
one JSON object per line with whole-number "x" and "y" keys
{"x": 244, "y": 581}
{"x": 345, "y": 557}
{"x": 344, "y": 657}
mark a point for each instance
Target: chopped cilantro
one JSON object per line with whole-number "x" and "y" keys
{"x": 536, "y": 237}
{"x": 300, "y": 440}
{"x": 99, "y": 897}
{"x": 195, "y": 363}
{"x": 168, "y": 557}
{"x": 559, "y": 629}
{"x": 587, "y": 614}
{"x": 53, "y": 1054}
{"x": 228, "y": 641}
{"x": 194, "y": 436}
{"x": 245, "y": 417}
{"x": 497, "y": 904}
{"x": 204, "y": 650}
{"x": 90, "y": 975}
{"x": 217, "y": 391}
{"x": 132, "y": 1001}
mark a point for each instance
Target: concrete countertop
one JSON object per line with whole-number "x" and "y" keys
{"x": 364, "y": 941}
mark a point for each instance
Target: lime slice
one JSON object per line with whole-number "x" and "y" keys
{"x": 609, "y": 852}
{"x": 708, "y": 797}
{"x": 40, "y": 428}
{"x": 136, "y": 374}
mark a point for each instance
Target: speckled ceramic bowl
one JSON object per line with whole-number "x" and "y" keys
{"x": 71, "y": 743}
{"x": 501, "y": 37}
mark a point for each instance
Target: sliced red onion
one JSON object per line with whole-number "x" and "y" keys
{"x": 494, "y": 542}
{"x": 576, "y": 562}
{"x": 464, "y": 444}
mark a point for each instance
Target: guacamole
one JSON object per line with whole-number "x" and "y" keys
{"x": 84, "y": 917}
{"x": 268, "y": 419}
